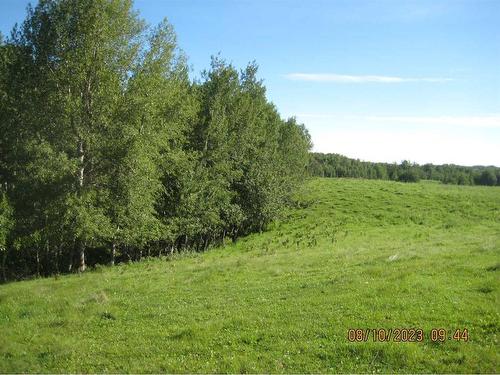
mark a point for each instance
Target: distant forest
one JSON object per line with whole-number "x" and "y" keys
{"x": 335, "y": 165}
{"x": 109, "y": 152}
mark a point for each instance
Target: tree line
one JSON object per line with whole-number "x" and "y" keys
{"x": 335, "y": 165}
{"x": 110, "y": 152}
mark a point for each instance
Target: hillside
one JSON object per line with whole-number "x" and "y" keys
{"x": 352, "y": 254}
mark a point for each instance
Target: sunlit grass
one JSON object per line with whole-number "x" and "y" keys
{"x": 358, "y": 254}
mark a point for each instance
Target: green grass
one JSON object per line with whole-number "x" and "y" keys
{"x": 358, "y": 254}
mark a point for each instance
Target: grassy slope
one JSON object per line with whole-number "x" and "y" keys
{"x": 362, "y": 254}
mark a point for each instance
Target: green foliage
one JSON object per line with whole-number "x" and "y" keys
{"x": 6, "y": 225}
{"x": 334, "y": 165}
{"x": 358, "y": 254}
{"x": 487, "y": 177}
{"x": 408, "y": 172}
{"x": 5, "y": 221}
{"x": 108, "y": 148}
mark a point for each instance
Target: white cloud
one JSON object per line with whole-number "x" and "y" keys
{"x": 483, "y": 121}
{"x": 341, "y": 78}
{"x": 419, "y": 146}
{"x": 491, "y": 121}
{"x": 464, "y": 140}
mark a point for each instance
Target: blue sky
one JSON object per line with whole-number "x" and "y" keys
{"x": 375, "y": 80}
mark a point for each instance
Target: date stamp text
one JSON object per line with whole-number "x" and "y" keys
{"x": 407, "y": 335}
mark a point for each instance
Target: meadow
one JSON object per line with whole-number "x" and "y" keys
{"x": 351, "y": 253}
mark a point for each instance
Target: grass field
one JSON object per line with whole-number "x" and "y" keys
{"x": 355, "y": 254}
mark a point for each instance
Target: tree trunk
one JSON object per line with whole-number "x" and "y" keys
{"x": 234, "y": 234}
{"x": 58, "y": 252}
{"x": 113, "y": 253}
{"x": 81, "y": 245}
{"x": 37, "y": 263}
{"x": 4, "y": 261}
{"x": 70, "y": 266}
{"x": 48, "y": 266}
{"x": 81, "y": 265}
{"x": 82, "y": 159}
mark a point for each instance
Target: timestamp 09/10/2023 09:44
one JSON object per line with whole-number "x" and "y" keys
{"x": 407, "y": 335}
